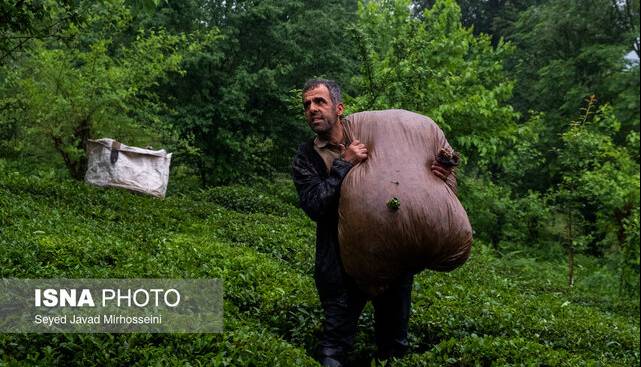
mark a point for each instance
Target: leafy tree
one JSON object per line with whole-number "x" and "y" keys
{"x": 492, "y": 17}
{"x": 431, "y": 64}
{"x": 569, "y": 50}
{"x": 65, "y": 93}
{"x": 233, "y": 103}
{"x": 565, "y": 52}
{"x": 600, "y": 174}
{"x": 25, "y": 21}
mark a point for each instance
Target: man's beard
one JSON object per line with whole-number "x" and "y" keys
{"x": 325, "y": 127}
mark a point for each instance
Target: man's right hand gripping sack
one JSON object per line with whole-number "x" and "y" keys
{"x": 395, "y": 215}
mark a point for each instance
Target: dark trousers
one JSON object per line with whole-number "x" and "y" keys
{"x": 343, "y": 308}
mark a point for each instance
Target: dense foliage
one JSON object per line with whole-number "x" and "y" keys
{"x": 507, "y": 311}
{"x": 540, "y": 97}
{"x": 432, "y": 65}
{"x": 233, "y": 106}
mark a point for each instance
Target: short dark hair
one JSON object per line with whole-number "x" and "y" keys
{"x": 332, "y": 86}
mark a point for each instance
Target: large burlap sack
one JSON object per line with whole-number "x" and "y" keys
{"x": 112, "y": 164}
{"x": 430, "y": 228}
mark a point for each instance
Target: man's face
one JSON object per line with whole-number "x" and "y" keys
{"x": 320, "y": 112}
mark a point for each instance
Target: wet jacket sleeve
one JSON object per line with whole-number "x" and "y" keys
{"x": 317, "y": 192}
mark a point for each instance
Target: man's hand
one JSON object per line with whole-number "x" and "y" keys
{"x": 441, "y": 171}
{"x": 444, "y": 164}
{"x": 355, "y": 153}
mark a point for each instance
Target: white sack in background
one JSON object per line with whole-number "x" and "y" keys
{"x": 112, "y": 164}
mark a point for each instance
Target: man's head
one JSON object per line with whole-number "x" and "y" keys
{"x": 323, "y": 105}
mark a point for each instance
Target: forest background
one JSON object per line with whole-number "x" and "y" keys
{"x": 540, "y": 97}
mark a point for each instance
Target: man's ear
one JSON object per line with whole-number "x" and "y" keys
{"x": 340, "y": 109}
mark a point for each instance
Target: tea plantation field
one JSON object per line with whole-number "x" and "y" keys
{"x": 506, "y": 310}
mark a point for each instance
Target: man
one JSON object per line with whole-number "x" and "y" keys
{"x": 319, "y": 167}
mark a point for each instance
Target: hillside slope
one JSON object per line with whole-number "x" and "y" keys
{"x": 492, "y": 311}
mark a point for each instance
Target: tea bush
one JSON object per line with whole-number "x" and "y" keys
{"x": 484, "y": 300}
{"x": 247, "y": 200}
{"x": 508, "y": 310}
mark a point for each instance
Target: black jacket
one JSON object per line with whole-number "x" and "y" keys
{"x": 318, "y": 194}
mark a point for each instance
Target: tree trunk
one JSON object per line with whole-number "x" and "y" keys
{"x": 570, "y": 252}
{"x": 82, "y": 133}
{"x": 76, "y": 166}
{"x": 620, "y": 216}
{"x": 571, "y": 266}
{"x": 202, "y": 171}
